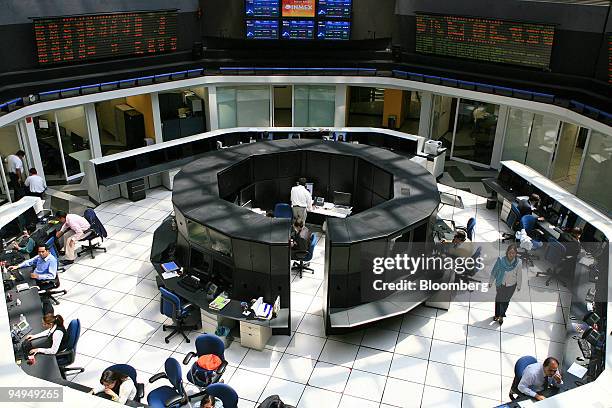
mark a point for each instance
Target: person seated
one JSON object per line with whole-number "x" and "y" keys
{"x": 45, "y": 267}
{"x": 208, "y": 401}
{"x": 35, "y": 184}
{"x": 461, "y": 247}
{"x": 528, "y": 206}
{"x": 537, "y": 377}
{"x": 570, "y": 239}
{"x": 28, "y": 245}
{"x": 52, "y": 339}
{"x": 115, "y": 386}
{"x": 73, "y": 230}
{"x": 300, "y": 236}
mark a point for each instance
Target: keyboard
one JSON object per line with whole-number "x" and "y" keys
{"x": 191, "y": 283}
{"x": 585, "y": 347}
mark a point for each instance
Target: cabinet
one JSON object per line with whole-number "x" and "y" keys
{"x": 253, "y": 335}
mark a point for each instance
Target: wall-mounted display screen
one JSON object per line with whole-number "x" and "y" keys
{"x": 77, "y": 38}
{"x": 298, "y": 8}
{"x": 334, "y": 9}
{"x": 298, "y": 29}
{"x": 485, "y": 39}
{"x": 333, "y": 30}
{"x": 262, "y": 8}
{"x": 262, "y": 29}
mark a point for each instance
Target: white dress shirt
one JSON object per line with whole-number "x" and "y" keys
{"x": 300, "y": 197}
{"x": 14, "y": 163}
{"x": 533, "y": 379}
{"x": 127, "y": 391}
{"x": 36, "y": 183}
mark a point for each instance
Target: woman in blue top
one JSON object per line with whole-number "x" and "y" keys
{"x": 507, "y": 274}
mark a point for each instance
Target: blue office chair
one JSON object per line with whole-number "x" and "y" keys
{"x": 168, "y": 396}
{"x": 67, "y": 356}
{"x": 225, "y": 393}
{"x": 52, "y": 245}
{"x": 283, "y": 210}
{"x": 96, "y": 231}
{"x": 512, "y": 221}
{"x": 555, "y": 254}
{"x": 128, "y": 370}
{"x": 49, "y": 289}
{"x": 519, "y": 368}
{"x": 173, "y": 306}
{"x": 469, "y": 228}
{"x": 303, "y": 257}
{"x": 205, "y": 344}
{"x": 529, "y": 223}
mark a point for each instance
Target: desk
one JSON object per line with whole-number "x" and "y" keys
{"x": 328, "y": 210}
{"x": 549, "y": 229}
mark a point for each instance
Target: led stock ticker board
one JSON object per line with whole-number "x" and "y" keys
{"x": 491, "y": 40}
{"x": 67, "y": 39}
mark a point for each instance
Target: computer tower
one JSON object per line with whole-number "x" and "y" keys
{"x": 130, "y": 126}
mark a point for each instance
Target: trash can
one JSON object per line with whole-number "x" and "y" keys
{"x": 491, "y": 203}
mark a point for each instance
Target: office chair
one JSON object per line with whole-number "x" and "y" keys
{"x": 205, "y": 344}
{"x": 130, "y": 372}
{"x": 48, "y": 289}
{"x": 225, "y": 393}
{"x": 174, "y": 307}
{"x": 53, "y": 249}
{"x": 466, "y": 276}
{"x": 95, "y": 231}
{"x": 512, "y": 221}
{"x": 303, "y": 257}
{"x": 529, "y": 223}
{"x": 169, "y": 396}
{"x": 283, "y": 210}
{"x": 469, "y": 228}
{"x": 67, "y": 356}
{"x": 519, "y": 368}
{"x": 555, "y": 254}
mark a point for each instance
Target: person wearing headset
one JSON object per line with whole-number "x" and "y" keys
{"x": 54, "y": 336}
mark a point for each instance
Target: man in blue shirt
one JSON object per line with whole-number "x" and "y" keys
{"x": 45, "y": 265}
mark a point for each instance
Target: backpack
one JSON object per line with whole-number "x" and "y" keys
{"x": 205, "y": 368}
{"x": 95, "y": 223}
{"x": 273, "y": 401}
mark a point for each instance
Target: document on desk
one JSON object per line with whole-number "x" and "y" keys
{"x": 526, "y": 403}
{"x": 169, "y": 275}
{"x": 577, "y": 370}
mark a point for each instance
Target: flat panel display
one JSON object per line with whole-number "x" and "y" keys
{"x": 298, "y": 8}
{"x": 333, "y": 30}
{"x": 334, "y": 9}
{"x": 262, "y": 8}
{"x": 262, "y": 29}
{"x": 610, "y": 58}
{"x": 491, "y": 40}
{"x": 298, "y": 30}
{"x": 67, "y": 39}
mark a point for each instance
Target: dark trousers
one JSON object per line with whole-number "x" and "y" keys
{"x": 17, "y": 187}
{"x": 502, "y": 299}
{"x": 33, "y": 194}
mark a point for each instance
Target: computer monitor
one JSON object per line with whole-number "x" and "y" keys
{"x": 222, "y": 273}
{"x": 199, "y": 263}
{"x": 310, "y": 187}
{"x": 341, "y": 198}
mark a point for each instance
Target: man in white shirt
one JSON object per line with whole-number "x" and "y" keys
{"x": 14, "y": 164}
{"x": 301, "y": 201}
{"x": 35, "y": 184}
{"x": 536, "y": 378}
{"x": 74, "y": 229}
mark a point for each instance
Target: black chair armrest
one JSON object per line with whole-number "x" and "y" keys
{"x": 140, "y": 391}
{"x": 299, "y": 255}
{"x": 64, "y": 353}
{"x": 188, "y": 357}
{"x": 222, "y": 368}
{"x": 187, "y": 306}
{"x": 174, "y": 400}
{"x": 157, "y": 376}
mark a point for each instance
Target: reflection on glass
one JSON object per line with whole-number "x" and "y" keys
{"x": 253, "y": 106}
{"x": 182, "y": 112}
{"x": 594, "y": 185}
{"x": 125, "y": 123}
{"x": 475, "y": 133}
{"x": 226, "y": 107}
{"x": 314, "y": 105}
{"x": 198, "y": 234}
{"x": 442, "y": 119}
{"x": 542, "y": 143}
{"x": 517, "y": 135}
{"x": 366, "y": 106}
{"x": 220, "y": 243}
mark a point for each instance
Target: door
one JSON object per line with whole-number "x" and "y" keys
{"x": 474, "y": 134}
{"x": 568, "y": 155}
{"x": 283, "y": 100}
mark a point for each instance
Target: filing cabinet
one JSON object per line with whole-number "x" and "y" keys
{"x": 253, "y": 335}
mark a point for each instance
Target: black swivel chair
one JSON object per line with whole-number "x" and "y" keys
{"x": 68, "y": 355}
{"x": 130, "y": 372}
{"x": 467, "y": 275}
{"x": 555, "y": 254}
{"x": 96, "y": 231}
{"x": 303, "y": 257}
{"x": 48, "y": 290}
{"x": 513, "y": 222}
{"x": 173, "y": 306}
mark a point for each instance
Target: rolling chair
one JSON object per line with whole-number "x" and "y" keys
{"x": 202, "y": 378}
{"x": 49, "y": 289}
{"x": 130, "y": 372}
{"x": 467, "y": 276}
{"x": 512, "y": 221}
{"x": 519, "y": 368}
{"x": 174, "y": 307}
{"x": 529, "y": 223}
{"x": 283, "y": 210}
{"x": 96, "y": 230}
{"x": 225, "y": 393}
{"x": 303, "y": 257}
{"x": 555, "y": 254}
{"x": 469, "y": 228}
{"x": 53, "y": 249}
{"x": 169, "y": 396}
{"x": 67, "y": 356}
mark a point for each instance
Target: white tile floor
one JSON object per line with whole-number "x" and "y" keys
{"x": 427, "y": 358}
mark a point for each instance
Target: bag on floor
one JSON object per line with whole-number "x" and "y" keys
{"x": 273, "y": 401}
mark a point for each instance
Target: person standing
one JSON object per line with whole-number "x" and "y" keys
{"x": 301, "y": 201}
{"x": 74, "y": 229}
{"x": 36, "y": 185}
{"x": 507, "y": 273}
{"x": 15, "y": 170}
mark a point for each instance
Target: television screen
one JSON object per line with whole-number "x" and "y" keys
{"x": 334, "y": 9}
{"x": 262, "y": 29}
{"x": 298, "y": 30}
{"x": 333, "y": 30}
{"x": 262, "y": 8}
{"x": 298, "y": 8}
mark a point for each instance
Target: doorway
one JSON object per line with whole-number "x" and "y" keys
{"x": 568, "y": 155}
{"x": 283, "y": 96}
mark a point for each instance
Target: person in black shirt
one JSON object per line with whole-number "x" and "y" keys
{"x": 571, "y": 241}
{"x": 300, "y": 236}
{"x": 527, "y": 207}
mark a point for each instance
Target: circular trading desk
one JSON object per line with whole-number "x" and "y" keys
{"x": 248, "y": 254}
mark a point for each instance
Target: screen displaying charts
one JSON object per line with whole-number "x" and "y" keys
{"x": 333, "y": 30}
{"x": 261, "y": 8}
{"x": 298, "y": 30}
{"x": 262, "y": 29}
{"x": 298, "y": 8}
{"x": 334, "y": 9}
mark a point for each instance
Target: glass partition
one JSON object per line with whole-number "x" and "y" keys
{"x": 9, "y": 144}
{"x": 594, "y": 184}
{"x": 518, "y": 129}
{"x": 443, "y": 119}
{"x": 365, "y": 106}
{"x": 246, "y": 106}
{"x": 475, "y": 131}
{"x": 125, "y": 123}
{"x": 182, "y": 112}
{"x": 542, "y": 143}
{"x": 314, "y": 105}
{"x": 226, "y": 107}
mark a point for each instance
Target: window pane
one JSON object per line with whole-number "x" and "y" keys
{"x": 300, "y": 106}
{"x": 322, "y": 101}
{"x": 594, "y": 184}
{"x": 226, "y": 107}
{"x": 75, "y": 139}
{"x": 475, "y": 132}
{"x": 182, "y": 112}
{"x": 517, "y": 135}
{"x": 253, "y": 106}
{"x": 542, "y": 143}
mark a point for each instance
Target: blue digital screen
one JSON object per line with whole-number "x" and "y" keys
{"x": 298, "y": 30}
{"x": 262, "y": 8}
{"x": 334, "y": 9}
{"x": 262, "y": 29}
{"x": 333, "y": 30}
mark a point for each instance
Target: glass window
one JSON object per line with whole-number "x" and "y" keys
{"x": 226, "y": 107}
{"x": 182, "y": 112}
{"x": 125, "y": 123}
{"x": 475, "y": 132}
{"x": 443, "y": 119}
{"x": 365, "y": 106}
{"x": 314, "y": 105}
{"x": 594, "y": 185}
{"x": 542, "y": 143}
{"x": 9, "y": 144}
{"x": 517, "y": 135}
{"x": 253, "y": 106}
{"x": 198, "y": 234}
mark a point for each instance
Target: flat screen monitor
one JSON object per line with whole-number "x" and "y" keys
{"x": 297, "y": 30}
{"x": 262, "y": 8}
{"x": 220, "y": 242}
{"x": 262, "y": 29}
{"x": 333, "y": 30}
{"x": 310, "y": 187}
{"x": 341, "y": 198}
{"x": 247, "y": 194}
{"x": 222, "y": 273}
{"x": 334, "y": 9}
{"x": 199, "y": 262}
{"x": 298, "y": 8}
